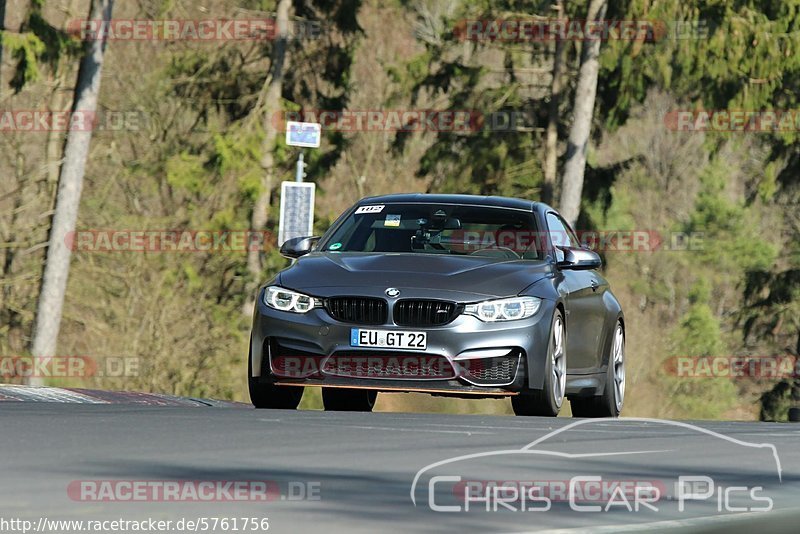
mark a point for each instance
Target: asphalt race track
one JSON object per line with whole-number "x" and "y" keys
{"x": 353, "y": 472}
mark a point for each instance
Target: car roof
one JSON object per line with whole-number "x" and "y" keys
{"x": 469, "y": 200}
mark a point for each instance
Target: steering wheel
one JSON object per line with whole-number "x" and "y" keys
{"x": 505, "y": 251}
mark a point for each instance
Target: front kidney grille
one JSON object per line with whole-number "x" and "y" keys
{"x": 357, "y": 310}
{"x": 424, "y": 312}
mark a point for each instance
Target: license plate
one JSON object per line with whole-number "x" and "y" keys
{"x": 389, "y": 339}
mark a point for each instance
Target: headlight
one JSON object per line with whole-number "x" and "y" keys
{"x": 288, "y": 300}
{"x": 504, "y": 309}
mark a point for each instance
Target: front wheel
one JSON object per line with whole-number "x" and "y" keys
{"x": 548, "y": 401}
{"x": 348, "y": 400}
{"x": 275, "y": 397}
{"x": 609, "y": 404}
{"x": 269, "y": 395}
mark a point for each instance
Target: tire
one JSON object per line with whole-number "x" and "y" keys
{"x": 609, "y": 404}
{"x": 547, "y": 402}
{"x": 270, "y": 396}
{"x": 794, "y": 415}
{"x": 348, "y": 400}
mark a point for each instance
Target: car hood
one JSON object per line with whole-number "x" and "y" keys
{"x": 461, "y": 277}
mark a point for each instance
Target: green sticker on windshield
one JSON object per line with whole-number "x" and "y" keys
{"x": 335, "y": 246}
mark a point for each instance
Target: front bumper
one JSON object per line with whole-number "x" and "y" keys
{"x": 466, "y": 356}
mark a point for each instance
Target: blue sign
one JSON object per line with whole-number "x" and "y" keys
{"x": 304, "y": 134}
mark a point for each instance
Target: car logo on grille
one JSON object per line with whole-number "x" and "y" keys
{"x": 392, "y": 292}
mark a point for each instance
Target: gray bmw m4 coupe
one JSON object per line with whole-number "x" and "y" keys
{"x": 452, "y": 295}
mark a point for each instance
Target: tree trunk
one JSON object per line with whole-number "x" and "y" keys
{"x": 572, "y": 185}
{"x": 10, "y": 317}
{"x": 551, "y": 137}
{"x": 2, "y": 27}
{"x": 271, "y": 105}
{"x": 70, "y": 183}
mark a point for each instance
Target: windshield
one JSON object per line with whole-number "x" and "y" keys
{"x": 437, "y": 229}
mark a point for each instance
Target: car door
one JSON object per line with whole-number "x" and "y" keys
{"x": 584, "y": 301}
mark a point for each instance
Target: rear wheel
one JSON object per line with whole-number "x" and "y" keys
{"x": 348, "y": 400}
{"x": 548, "y": 401}
{"x": 269, "y": 395}
{"x": 609, "y": 404}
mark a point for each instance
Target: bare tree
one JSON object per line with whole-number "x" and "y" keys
{"x": 577, "y": 145}
{"x": 271, "y": 99}
{"x": 70, "y": 184}
{"x": 551, "y": 136}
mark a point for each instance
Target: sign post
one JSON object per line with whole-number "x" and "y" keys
{"x": 297, "y": 198}
{"x": 300, "y": 173}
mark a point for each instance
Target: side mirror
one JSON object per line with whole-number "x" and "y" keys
{"x": 579, "y": 259}
{"x": 298, "y": 246}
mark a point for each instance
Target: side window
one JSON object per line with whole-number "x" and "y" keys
{"x": 559, "y": 235}
{"x": 575, "y": 242}
{"x": 558, "y": 231}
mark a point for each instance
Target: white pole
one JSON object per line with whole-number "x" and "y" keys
{"x": 298, "y": 177}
